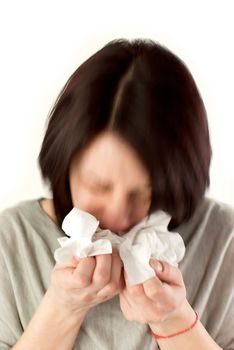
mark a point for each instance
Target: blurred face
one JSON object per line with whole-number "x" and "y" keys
{"x": 109, "y": 181}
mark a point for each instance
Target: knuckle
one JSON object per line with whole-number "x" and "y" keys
{"x": 113, "y": 287}
{"x": 88, "y": 261}
{"x": 104, "y": 297}
{"x": 173, "y": 303}
{"x": 86, "y": 298}
{"x": 82, "y": 280}
{"x": 135, "y": 291}
{"x": 153, "y": 293}
{"x": 101, "y": 278}
{"x": 57, "y": 279}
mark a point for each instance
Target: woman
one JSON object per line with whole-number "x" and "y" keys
{"x": 127, "y": 136}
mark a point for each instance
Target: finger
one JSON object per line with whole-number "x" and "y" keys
{"x": 124, "y": 301}
{"x": 167, "y": 272}
{"x": 102, "y": 272}
{"x": 63, "y": 277}
{"x": 116, "y": 282}
{"x": 115, "y": 251}
{"x": 63, "y": 274}
{"x": 83, "y": 273}
{"x": 73, "y": 263}
{"x": 135, "y": 291}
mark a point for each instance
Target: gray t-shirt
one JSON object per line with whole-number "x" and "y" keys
{"x": 28, "y": 239}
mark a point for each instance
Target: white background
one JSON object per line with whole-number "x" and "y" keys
{"x": 43, "y": 42}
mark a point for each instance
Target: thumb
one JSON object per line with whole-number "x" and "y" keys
{"x": 167, "y": 272}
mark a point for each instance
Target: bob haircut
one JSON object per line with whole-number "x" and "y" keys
{"x": 146, "y": 94}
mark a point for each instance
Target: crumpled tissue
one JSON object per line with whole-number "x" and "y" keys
{"x": 149, "y": 239}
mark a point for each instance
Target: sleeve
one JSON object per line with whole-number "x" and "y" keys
{"x": 10, "y": 325}
{"x": 225, "y": 301}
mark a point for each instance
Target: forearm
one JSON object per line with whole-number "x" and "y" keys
{"x": 52, "y": 327}
{"x": 195, "y": 338}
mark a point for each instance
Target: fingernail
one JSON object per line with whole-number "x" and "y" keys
{"x": 158, "y": 266}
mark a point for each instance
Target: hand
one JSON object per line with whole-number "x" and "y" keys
{"x": 158, "y": 299}
{"x": 87, "y": 282}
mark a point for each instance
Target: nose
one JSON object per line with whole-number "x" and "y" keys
{"x": 116, "y": 216}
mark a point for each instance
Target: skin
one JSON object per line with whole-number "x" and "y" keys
{"x": 109, "y": 181}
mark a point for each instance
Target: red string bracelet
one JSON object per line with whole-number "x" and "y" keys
{"x": 157, "y": 336}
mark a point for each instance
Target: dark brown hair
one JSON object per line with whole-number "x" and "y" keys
{"x": 145, "y": 93}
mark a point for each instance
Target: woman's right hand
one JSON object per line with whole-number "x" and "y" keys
{"x": 87, "y": 282}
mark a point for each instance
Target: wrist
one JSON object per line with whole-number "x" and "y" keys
{"x": 63, "y": 310}
{"x": 184, "y": 318}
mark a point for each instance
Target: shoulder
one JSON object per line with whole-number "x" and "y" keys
{"x": 212, "y": 219}
{"x": 25, "y": 221}
{"x": 16, "y": 219}
{"x": 217, "y": 213}
{"x": 19, "y": 206}
{"x": 18, "y": 213}
{"x": 26, "y": 231}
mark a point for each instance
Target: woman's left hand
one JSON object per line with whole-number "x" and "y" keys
{"x": 158, "y": 299}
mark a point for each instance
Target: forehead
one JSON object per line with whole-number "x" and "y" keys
{"x": 109, "y": 157}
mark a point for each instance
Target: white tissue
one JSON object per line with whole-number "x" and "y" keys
{"x": 149, "y": 239}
